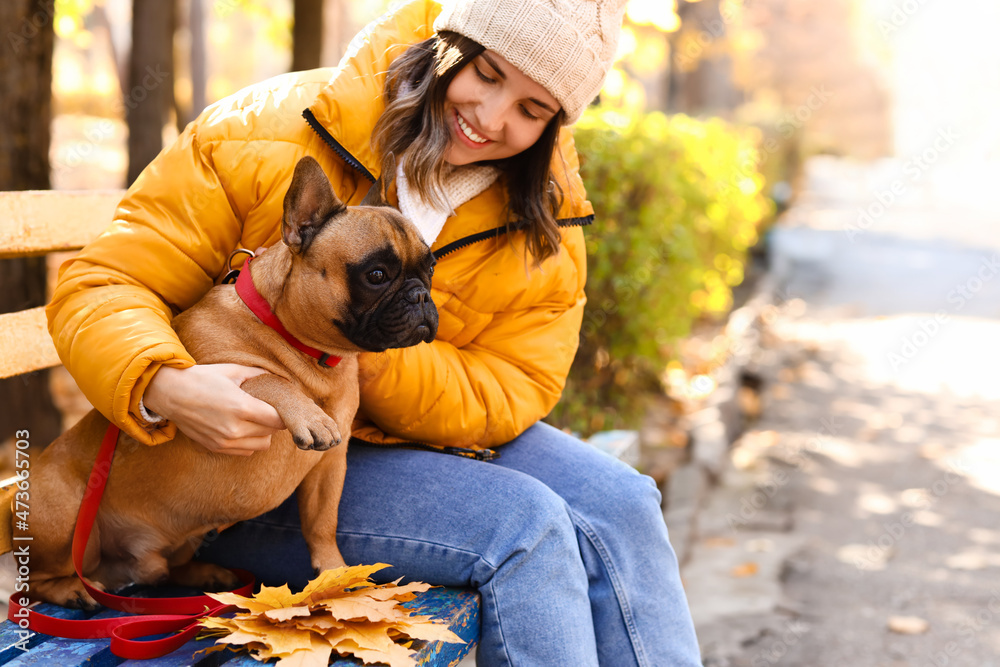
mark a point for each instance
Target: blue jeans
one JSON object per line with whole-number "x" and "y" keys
{"x": 566, "y": 545}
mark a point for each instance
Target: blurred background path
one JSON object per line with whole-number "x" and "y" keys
{"x": 856, "y": 522}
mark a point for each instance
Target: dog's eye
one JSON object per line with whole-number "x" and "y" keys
{"x": 376, "y": 276}
{"x": 431, "y": 272}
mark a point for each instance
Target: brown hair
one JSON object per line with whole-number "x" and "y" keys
{"x": 414, "y": 123}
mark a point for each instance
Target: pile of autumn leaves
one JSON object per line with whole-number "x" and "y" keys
{"x": 340, "y": 611}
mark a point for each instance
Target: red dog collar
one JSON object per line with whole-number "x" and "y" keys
{"x": 262, "y": 309}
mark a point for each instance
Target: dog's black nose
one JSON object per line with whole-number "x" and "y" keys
{"x": 418, "y": 295}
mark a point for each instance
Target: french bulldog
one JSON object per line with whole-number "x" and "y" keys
{"x": 344, "y": 280}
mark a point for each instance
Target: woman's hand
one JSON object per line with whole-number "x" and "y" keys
{"x": 208, "y": 406}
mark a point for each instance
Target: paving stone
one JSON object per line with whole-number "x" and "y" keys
{"x": 737, "y": 576}
{"x": 686, "y": 490}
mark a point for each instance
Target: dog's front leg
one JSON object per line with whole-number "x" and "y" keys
{"x": 319, "y": 499}
{"x": 311, "y": 428}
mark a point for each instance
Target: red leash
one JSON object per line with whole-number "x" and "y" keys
{"x": 178, "y": 615}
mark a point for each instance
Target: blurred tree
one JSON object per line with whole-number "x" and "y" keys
{"x": 675, "y": 56}
{"x": 199, "y": 71}
{"x": 150, "y": 92}
{"x": 637, "y": 81}
{"x": 103, "y": 22}
{"x": 700, "y": 77}
{"x": 339, "y": 25}
{"x": 190, "y": 63}
{"x": 307, "y": 34}
{"x": 25, "y": 115}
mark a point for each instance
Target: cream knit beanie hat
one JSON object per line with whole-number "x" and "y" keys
{"x": 565, "y": 45}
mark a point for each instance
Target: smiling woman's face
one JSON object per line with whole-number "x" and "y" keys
{"x": 494, "y": 111}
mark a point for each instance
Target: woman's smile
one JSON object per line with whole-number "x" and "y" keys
{"x": 465, "y": 131}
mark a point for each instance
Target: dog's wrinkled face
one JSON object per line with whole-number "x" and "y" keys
{"x": 390, "y": 302}
{"x": 359, "y": 277}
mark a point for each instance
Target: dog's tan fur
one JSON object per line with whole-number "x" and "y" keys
{"x": 161, "y": 500}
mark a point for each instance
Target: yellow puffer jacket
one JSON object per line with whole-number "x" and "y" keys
{"x": 507, "y": 333}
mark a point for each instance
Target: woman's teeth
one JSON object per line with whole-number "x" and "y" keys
{"x": 468, "y": 131}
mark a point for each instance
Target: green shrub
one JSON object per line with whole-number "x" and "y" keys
{"x": 678, "y": 202}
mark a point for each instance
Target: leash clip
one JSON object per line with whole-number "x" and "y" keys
{"x": 234, "y": 273}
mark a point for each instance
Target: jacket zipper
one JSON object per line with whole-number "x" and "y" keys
{"x": 477, "y": 454}
{"x": 463, "y": 242}
{"x": 498, "y": 231}
{"x": 325, "y": 135}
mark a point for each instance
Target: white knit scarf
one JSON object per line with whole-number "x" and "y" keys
{"x": 461, "y": 184}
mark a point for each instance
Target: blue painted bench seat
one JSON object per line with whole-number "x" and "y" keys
{"x": 459, "y": 607}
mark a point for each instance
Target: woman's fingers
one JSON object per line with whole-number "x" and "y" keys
{"x": 262, "y": 416}
{"x": 208, "y": 406}
{"x": 252, "y": 409}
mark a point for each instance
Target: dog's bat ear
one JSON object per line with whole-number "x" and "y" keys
{"x": 309, "y": 204}
{"x": 376, "y": 195}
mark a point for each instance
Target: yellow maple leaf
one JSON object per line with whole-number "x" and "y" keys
{"x": 404, "y": 593}
{"x": 256, "y": 623}
{"x": 283, "y": 641}
{"x": 747, "y": 569}
{"x": 426, "y": 628}
{"x": 357, "y": 607}
{"x": 340, "y": 610}
{"x": 286, "y": 613}
{"x": 346, "y": 641}
{"x": 268, "y": 598}
{"x": 318, "y": 622}
{"x": 337, "y": 580}
{"x": 239, "y": 601}
{"x": 240, "y": 637}
{"x": 397, "y": 657}
{"x": 275, "y": 597}
{"x": 317, "y": 655}
{"x": 218, "y": 623}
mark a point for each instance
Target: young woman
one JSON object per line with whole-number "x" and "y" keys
{"x": 462, "y": 108}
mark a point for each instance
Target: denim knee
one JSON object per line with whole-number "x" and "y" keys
{"x": 533, "y": 523}
{"x": 624, "y": 495}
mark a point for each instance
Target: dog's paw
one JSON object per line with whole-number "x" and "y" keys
{"x": 319, "y": 434}
{"x": 68, "y": 592}
{"x": 324, "y": 564}
{"x": 82, "y": 600}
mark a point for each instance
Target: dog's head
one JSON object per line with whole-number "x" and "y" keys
{"x": 358, "y": 276}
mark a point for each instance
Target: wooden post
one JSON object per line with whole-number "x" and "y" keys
{"x": 25, "y": 116}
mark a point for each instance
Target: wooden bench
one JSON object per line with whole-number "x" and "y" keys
{"x": 38, "y": 223}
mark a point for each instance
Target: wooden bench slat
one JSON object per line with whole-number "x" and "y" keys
{"x": 36, "y": 222}
{"x": 185, "y": 657}
{"x": 25, "y": 344}
{"x": 460, "y": 607}
{"x": 11, "y": 637}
